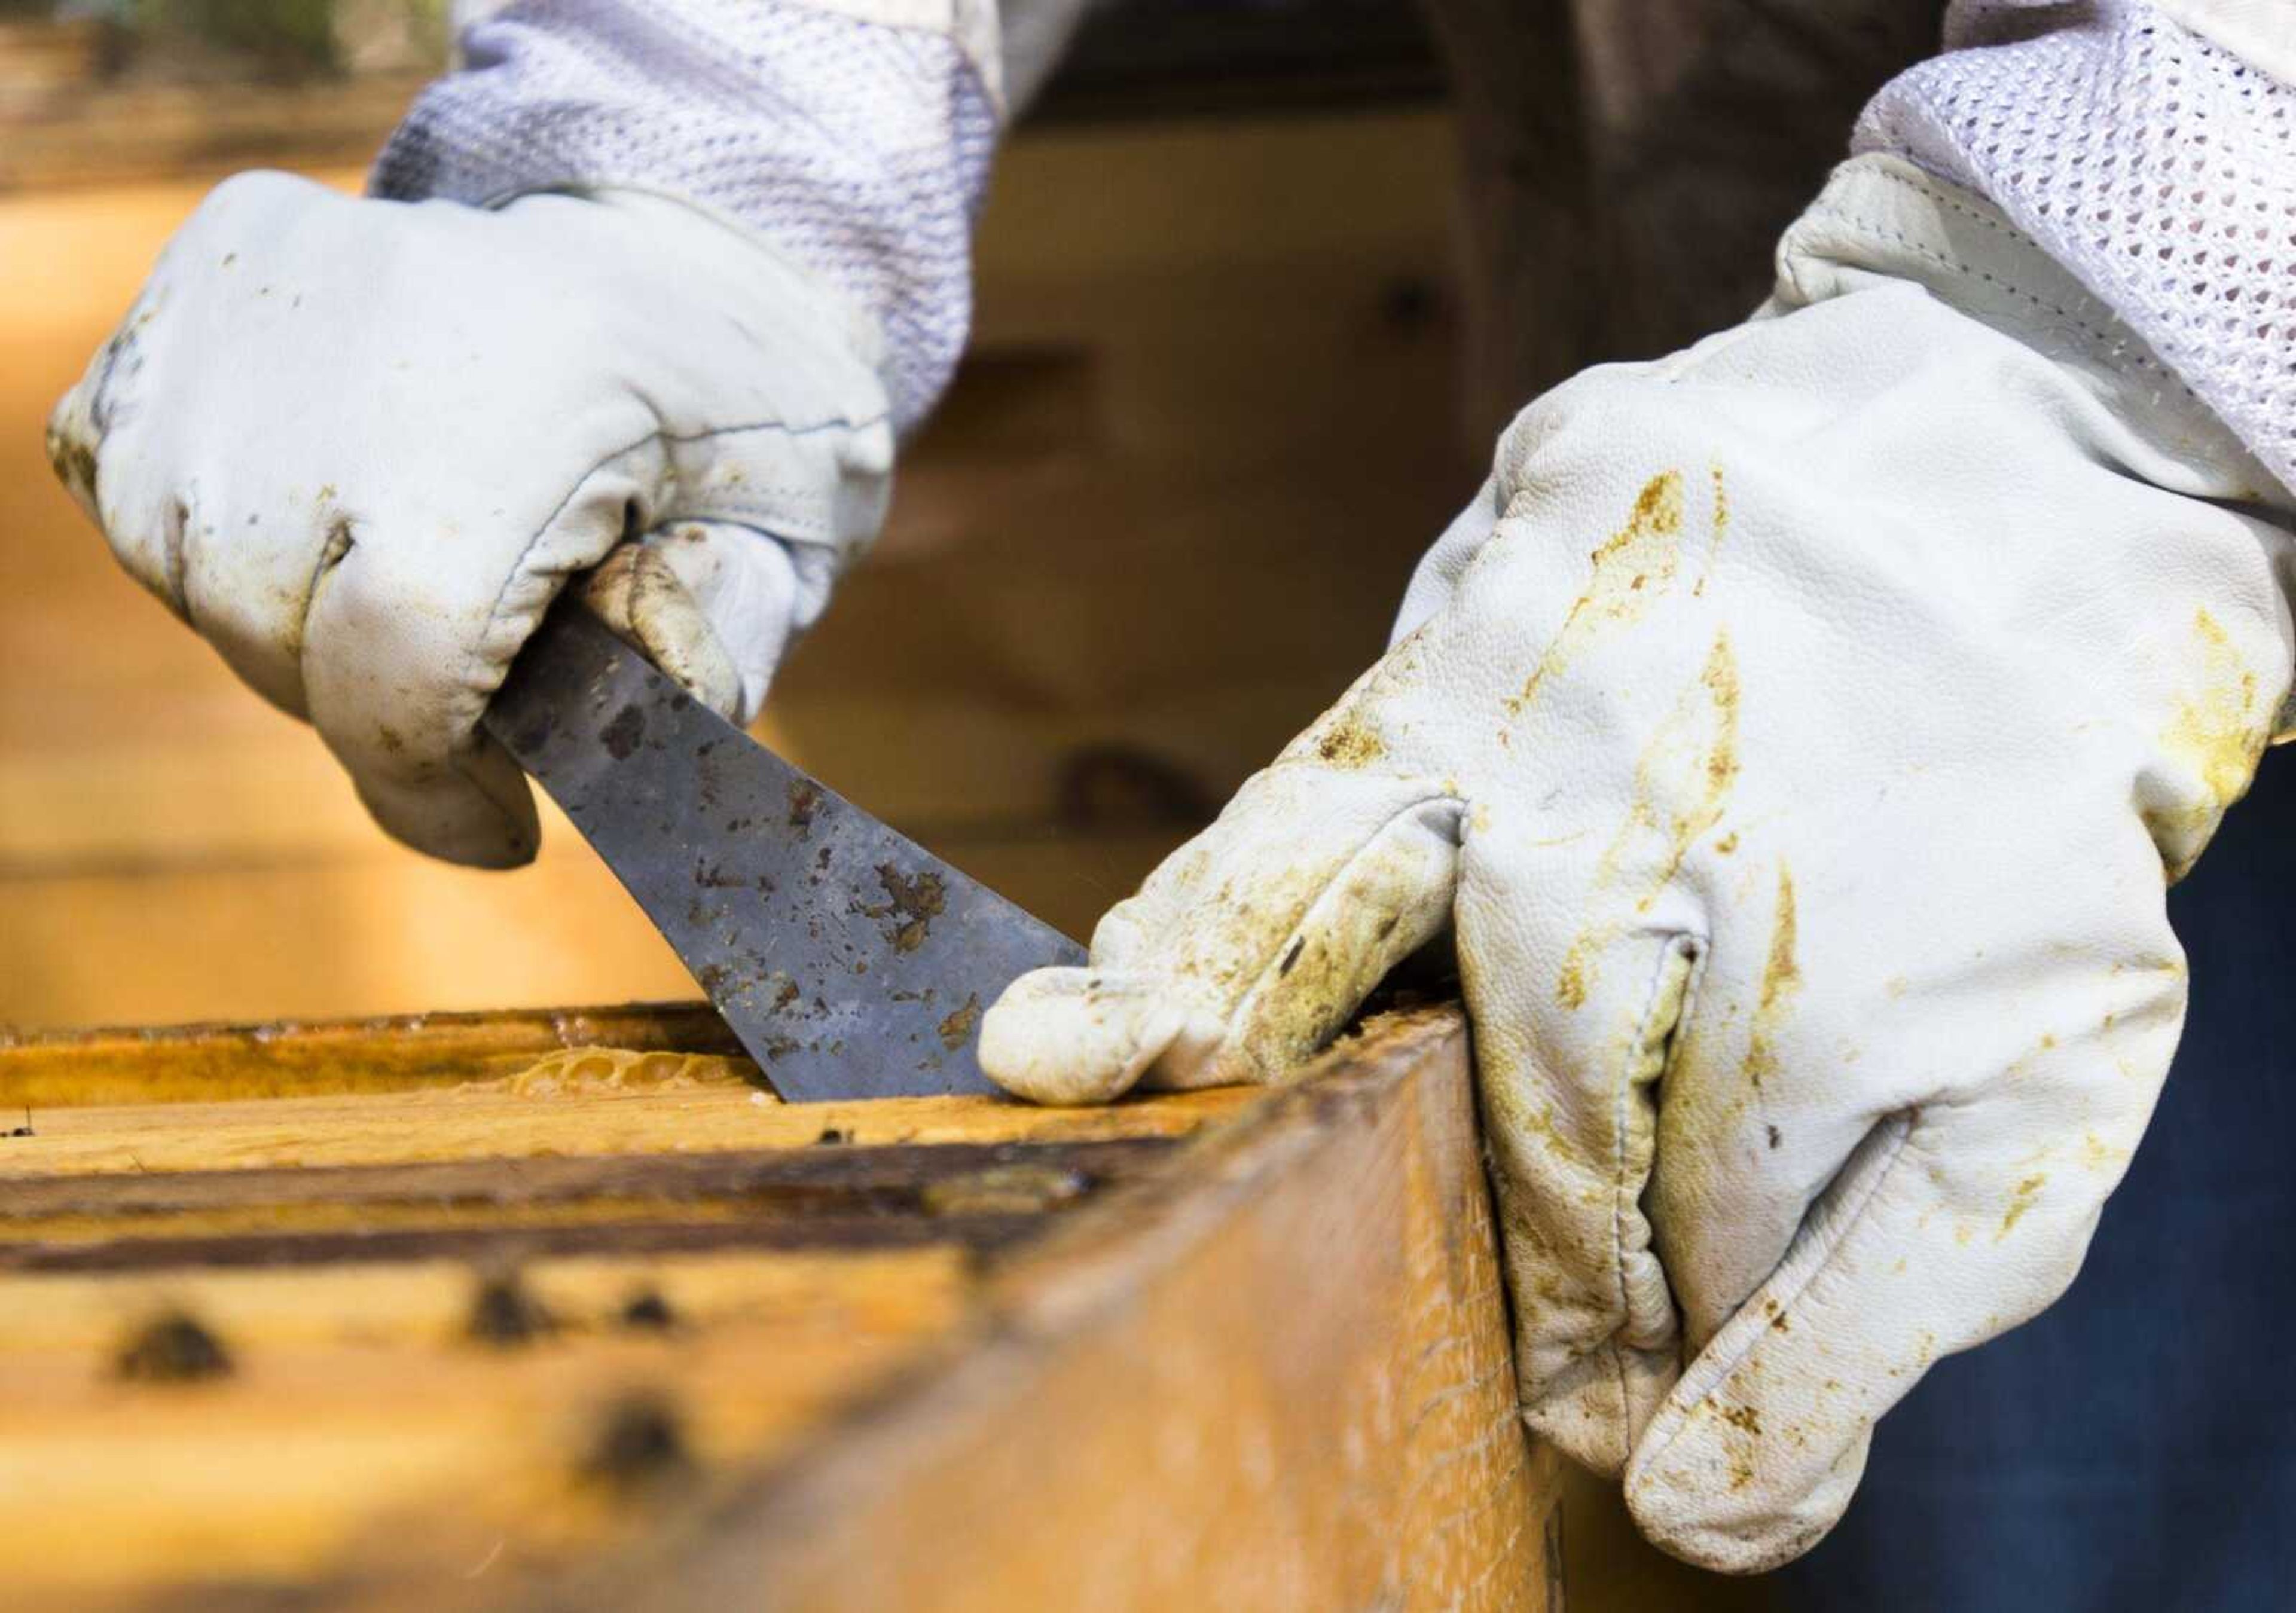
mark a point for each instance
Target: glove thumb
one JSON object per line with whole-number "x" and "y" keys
{"x": 714, "y": 604}
{"x": 1249, "y": 949}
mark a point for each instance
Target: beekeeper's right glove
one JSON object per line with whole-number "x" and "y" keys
{"x": 1795, "y": 738}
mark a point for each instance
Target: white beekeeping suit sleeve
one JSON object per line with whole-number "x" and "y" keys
{"x": 2149, "y": 149}
{"x": 855, "y": 135}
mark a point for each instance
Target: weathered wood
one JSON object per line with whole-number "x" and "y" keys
{"x": 1276, "y": 1376}
{"x": 429, "y": 1303}
{"x": 977, "y": 1195}
{"x": 397, "y": 1128}
{"x": 355, "y": 1399}
{"x": 517, "y": 1240}
{"x": 1266, "y": 1367}
{"x": 181, "y": 1063}
{"x": 895, "y": 1177}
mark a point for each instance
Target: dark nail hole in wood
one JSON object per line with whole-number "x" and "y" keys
{"x": 646, "y": 1311}
{"x": 506, "y": 1315}
{"x": 639, "y": 1445}
{"x": 172, "y": 1347}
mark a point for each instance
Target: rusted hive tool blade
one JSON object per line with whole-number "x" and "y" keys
{"x": 850, "y": 961}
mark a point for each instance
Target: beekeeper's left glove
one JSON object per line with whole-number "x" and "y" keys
{"x": 1795, "y": 737}
{"x": 359, "y": 446}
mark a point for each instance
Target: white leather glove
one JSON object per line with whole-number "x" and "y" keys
{"x": 359, "y": 445}
{"x": 1795, "y": 737}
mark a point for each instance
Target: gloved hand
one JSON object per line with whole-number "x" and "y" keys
{"x": 359, "y": 445}
{"x": 1794, "y": 737}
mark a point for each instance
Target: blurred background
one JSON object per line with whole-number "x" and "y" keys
{"x": 1256, "y": 282}
{"x": 1213, "y": 370}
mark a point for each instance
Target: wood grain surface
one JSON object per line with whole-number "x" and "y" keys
{"x": 1277, "y": 1377}
{"x": 493, "y": 1345}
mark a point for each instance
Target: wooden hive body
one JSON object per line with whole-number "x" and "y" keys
{"x": 339, "y": 1315}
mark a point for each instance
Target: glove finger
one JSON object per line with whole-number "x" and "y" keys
{"x": 1247, "y": 950}
{"x": 238, "y": 568}
{"x": 397, "y": 677}
{"x": 181, "y": 493}
{"x": 75, "y": 444}
{"x": 246, "y": 577}
{"x": 712, "y": 603}
{"x": 473, "y": 807}
{"x": 102, "y": 462}
{"x": 1582, "y": 945}
{"x": 1951, "y": 1221}
{"x": 1576, "y": 999}
{"x": 398, "y": 669}
{"x": 396, "y": 689}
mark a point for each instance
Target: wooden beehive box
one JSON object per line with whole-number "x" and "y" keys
{"x": 355, "y": 1316}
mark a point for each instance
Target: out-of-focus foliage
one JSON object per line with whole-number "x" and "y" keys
{"x": 284, "y": 31}
{"x": 208, "y": 40}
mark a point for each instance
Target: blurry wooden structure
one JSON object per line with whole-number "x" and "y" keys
{"x": 418, "y": 1335}
{"x": 1161, "y": 520}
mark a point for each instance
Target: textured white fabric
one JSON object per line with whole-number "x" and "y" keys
{"x": 359, "y": 445}
{"x": 859, "y": 148}
{"x": 2261, "y": 33}
{"x": 2157, "y": 167}
{"x": 1795, "y": 736}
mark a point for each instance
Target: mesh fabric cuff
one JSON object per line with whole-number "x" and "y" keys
{"x": 861, "y": 149}
{"x": 2157, "y": 167}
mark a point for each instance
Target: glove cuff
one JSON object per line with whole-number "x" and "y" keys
{"x": 2146, "y": 158}
{"x": 1881, "y": 217}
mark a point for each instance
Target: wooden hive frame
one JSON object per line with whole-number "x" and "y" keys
{"x": 1212, "y": 1350}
